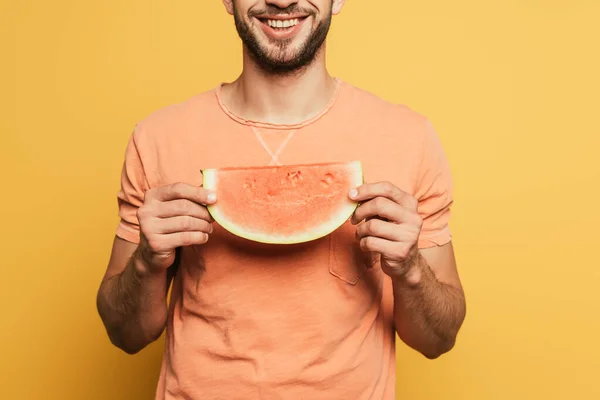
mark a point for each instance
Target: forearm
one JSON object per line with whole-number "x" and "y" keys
{"x": 133, "y": 305}
{"x": 427, "y": 313}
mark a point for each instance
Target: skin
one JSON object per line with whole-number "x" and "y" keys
{"x": 132, "y": 299}
{"x": 429, "y": 302}
{"x": 282, "y": 82}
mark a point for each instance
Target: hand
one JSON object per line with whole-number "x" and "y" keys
{"x": 388, "y": 225}
{"x": 172, "y": 216}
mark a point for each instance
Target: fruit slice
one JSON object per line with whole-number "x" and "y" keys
{"x": 283, "y": 204}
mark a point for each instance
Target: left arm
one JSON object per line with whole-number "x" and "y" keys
{"x": 429, "y": 303}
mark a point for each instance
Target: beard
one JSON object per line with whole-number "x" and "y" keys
{"x": 281, "y": 60}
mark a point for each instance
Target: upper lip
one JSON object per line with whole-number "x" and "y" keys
{"x": 282, "y": 17}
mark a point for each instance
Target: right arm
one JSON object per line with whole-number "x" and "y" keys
{"x": 132, "y": 301}
{"x": 132, "y": 298}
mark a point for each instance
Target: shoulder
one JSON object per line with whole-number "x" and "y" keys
{"x": 406, "y": 139}
{"x": 369, "y": 105}
{"x": 165, "y": 123}
{"x": 396, "y": 124}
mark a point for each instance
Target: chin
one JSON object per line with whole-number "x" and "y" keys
{"x": 273, "y": 50}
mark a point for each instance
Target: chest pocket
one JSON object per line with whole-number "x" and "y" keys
{"x": 347, "y": 261}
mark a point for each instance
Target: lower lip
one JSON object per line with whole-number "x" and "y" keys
{"x": 278, "y": 33}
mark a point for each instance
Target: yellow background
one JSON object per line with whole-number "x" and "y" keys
{"x": 511, "y": 86}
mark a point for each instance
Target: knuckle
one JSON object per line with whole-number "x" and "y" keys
{"x": 399, "y": 253}
{"x": 413, "y": 202}
{"x": 178, "y": 189}
{"x": 186, "y": 223}
{"x": 153, "y": 244}
{"x": 363, "y": 243}
{"x": 141, "y": 213}
{"x": 370, "y": 226}
{"x": 361, "y": 231}
{"x": 144, "y": 214}
{"x": 184, "y": 208}
{"x": 357, "y": 216}
{"x": 403, "y": 251}
{"x": 150, "y": 194}
{"x": 388, "y": 188}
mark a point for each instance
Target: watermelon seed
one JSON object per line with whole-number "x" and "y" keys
{"x": 327, "y": 180}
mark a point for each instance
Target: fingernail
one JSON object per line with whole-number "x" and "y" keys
{"x": 211, "y": 197}
{"x": 353, "y": 193}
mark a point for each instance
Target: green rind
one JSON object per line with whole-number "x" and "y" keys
{"x": 324, "y": 229}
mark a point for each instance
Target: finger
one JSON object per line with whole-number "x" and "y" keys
{"x": 387, "y": 248}
{"x": 370, "y": 191}
{"x": 181, "y": 190}
{"x": 384, "y": 208}
{"x": 180, "y": 239}
{"x": 381, "y": 229}
{"x": 183, "y": 224}
{"x": 182, "y": 207}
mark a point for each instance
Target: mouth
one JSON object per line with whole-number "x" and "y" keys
{"x": 280, "y": 26}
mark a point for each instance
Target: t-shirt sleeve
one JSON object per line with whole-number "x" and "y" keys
{"x": 130, "y": 197}
{"x": 434, "y": 191}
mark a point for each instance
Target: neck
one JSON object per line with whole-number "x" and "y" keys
{"x": 280, "y": 99}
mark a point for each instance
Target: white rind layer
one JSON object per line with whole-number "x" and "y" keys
{"x": 342, "y": 215}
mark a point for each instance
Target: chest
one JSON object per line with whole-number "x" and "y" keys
{"x": 384, "y": 154}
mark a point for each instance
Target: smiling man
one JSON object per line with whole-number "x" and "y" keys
{"x": 316, "y": 320}
{"x": 290, "y": 38}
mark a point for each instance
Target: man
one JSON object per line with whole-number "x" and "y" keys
{"x": 311, "y": 321}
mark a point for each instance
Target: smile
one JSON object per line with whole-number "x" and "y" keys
{"x": 286, "y": 23}
{"x": 282, "y": 27}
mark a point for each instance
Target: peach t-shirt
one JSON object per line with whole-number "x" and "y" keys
{"x": 309, "y": 321}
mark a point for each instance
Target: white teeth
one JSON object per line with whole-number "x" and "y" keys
{"x": 277, "y": 23}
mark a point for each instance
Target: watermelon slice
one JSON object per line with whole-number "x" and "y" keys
{"x": 283, "y": 204}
